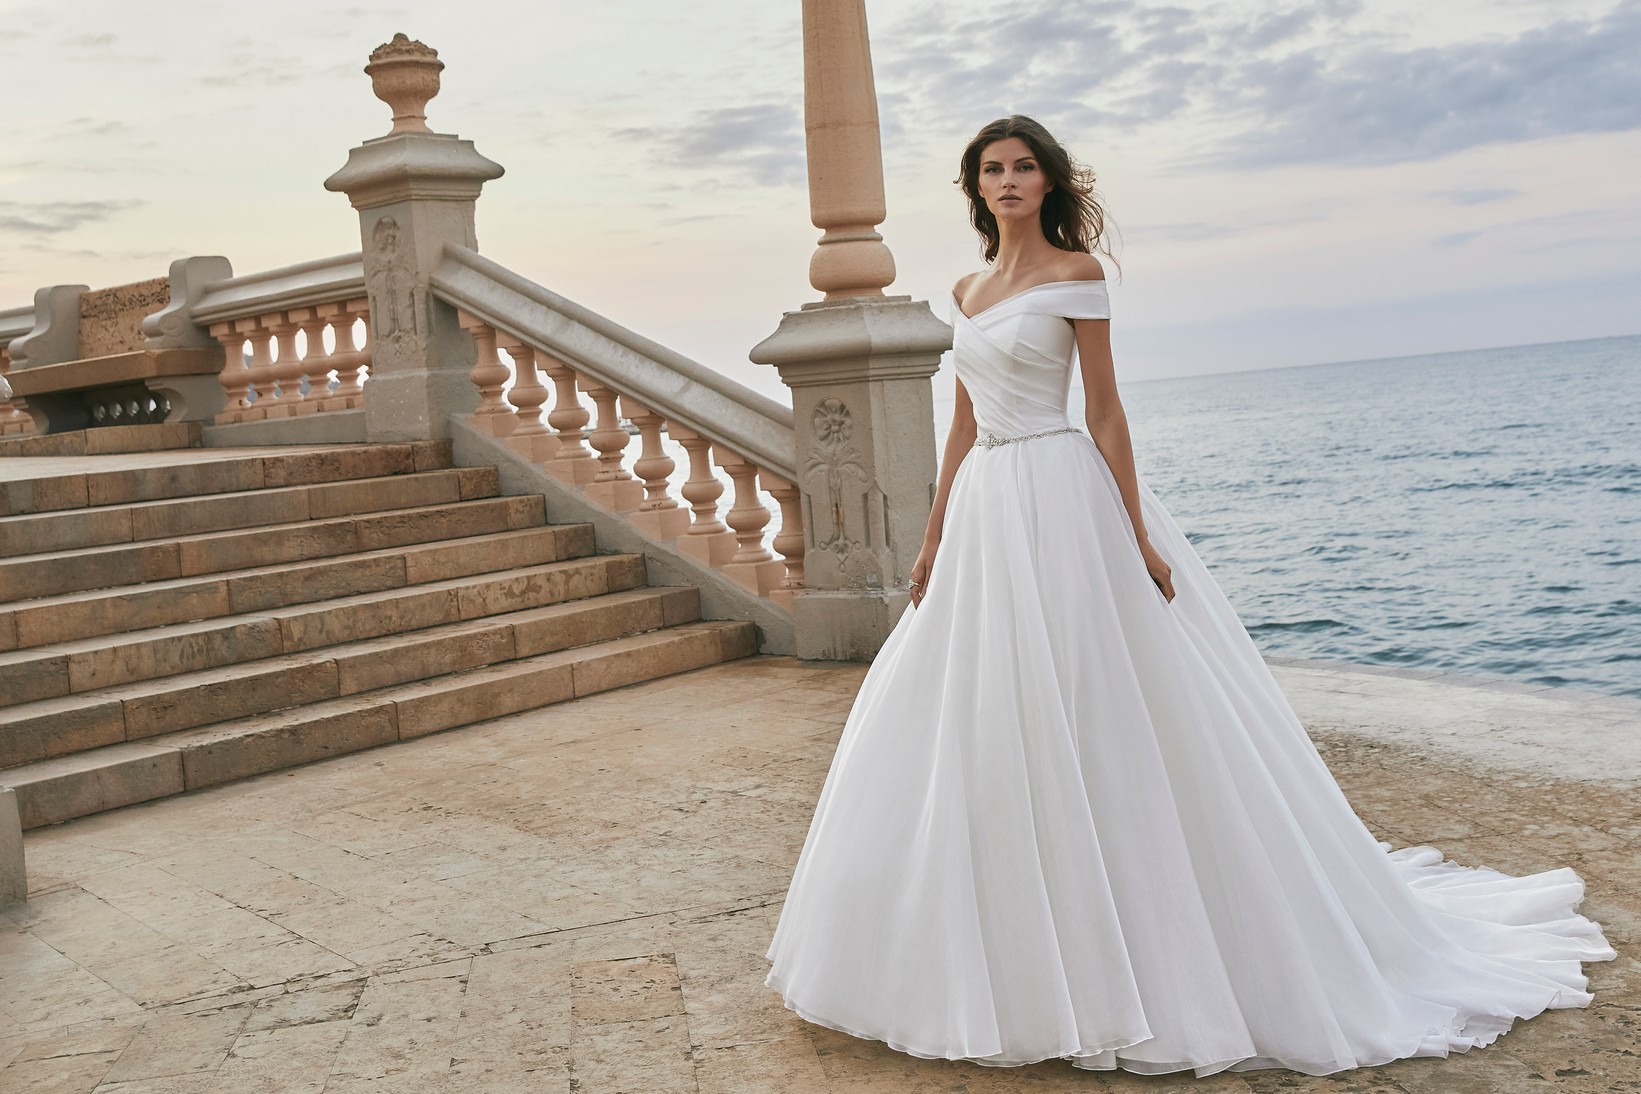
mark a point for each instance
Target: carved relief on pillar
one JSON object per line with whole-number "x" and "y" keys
{"x": 838, "y": 486}
{"x": 398, "y": 305}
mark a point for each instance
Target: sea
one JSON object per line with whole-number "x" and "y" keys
{"x": 1475, "y": 512}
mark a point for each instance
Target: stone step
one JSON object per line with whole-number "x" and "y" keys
{"x": 30, "y": 576}
{"x": 45, "y": 620}
{"x": 137, "y": 522}
{"x": 62, "y": 788}
{"x": 96, "y": 664}
{"x": 55, "y": 727}
{"x": 231, "y": 471}
{"x": 105, "y": 440}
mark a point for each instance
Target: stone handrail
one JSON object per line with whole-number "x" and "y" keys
{"x": 694, "y": 396}
{"x": 524, "y": 333}
{"x": 266, "y": 310}
{"x": 321, "y": 281}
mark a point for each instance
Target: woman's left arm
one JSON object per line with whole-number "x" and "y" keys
{"x": 1108, "y": 425}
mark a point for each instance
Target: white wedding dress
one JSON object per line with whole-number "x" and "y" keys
{"x": 1070, "y": 818}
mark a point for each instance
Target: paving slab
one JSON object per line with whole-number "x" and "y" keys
{"x": 579, "y": 897}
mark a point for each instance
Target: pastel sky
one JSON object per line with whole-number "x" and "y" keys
{"x": 1293, "y": 183}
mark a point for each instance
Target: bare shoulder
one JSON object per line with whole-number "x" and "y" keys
{"x": 1082, "y": 267}
{"x": 963, "y": 284}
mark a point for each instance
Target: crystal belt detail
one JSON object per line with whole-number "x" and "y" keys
{"x": 992, "y": 440}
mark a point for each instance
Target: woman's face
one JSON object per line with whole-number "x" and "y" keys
{"x": 1011, "y": 181}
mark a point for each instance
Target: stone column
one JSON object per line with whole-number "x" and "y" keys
{"x": 858, "y": 364}
{"x": 415, "y": 190}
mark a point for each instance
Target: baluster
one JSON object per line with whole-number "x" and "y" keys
{"x": 753, "y": 565}
{"x": 489, "y": 375}
{"x": 613, "y": 487}
{"x": 346, "y": 358}
{"x": 789, "y": 541}
{"x": 574, "y": 462}
{"x": 316, "y": 360}
{"x": 286, "y": 370}
{"x": 235, "y": 378}
{"x": 530, "y": 438}
{"x": 708, "y": 541}
{"x": 660, "y": 515}
{"x": 259, "y": 373}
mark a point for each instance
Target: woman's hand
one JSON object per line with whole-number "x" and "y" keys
{"x": 1158, "y": 569}
{"x": 918, "y": 583}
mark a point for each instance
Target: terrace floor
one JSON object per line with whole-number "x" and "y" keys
{"x": 579, "y": 898}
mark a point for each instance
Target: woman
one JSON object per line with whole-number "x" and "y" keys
{"x": 1071, "y": 814}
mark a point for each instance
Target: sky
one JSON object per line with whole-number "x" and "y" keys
{"x": 1292, "y": 184}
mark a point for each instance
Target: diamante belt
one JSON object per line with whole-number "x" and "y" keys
{"x": 992, "y": 440}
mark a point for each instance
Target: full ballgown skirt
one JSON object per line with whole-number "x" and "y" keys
{"x": 1069, "y": 818}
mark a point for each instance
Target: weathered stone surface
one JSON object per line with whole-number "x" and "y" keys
{"x": 322, "y": 579}
{"x": 501, "y": 551}
{"x": 63, "y": 531}
{"x": 218, "y": 695}
{"x": 111, "y": 319}
{"x": 27, "y": 675}
{"x": 275, "y": 742}
{"x": 332, "y": 465}
{"x": 225, "y": 474}
{"x": 42, "y": 495}
{"x": 56, "y": 727}
{"x": 90, "y": 782}
{"x": 645, "y": 657}
{"x": 374, "y": 495}
{"x": 97, "y": 568}
{"x": 403, "y": 658}
{"x": 365, "y": 616}
{"x": 578, "y": 624}
{"x": 487, "y": 693}
{"x": 187, "y": 647}
{"x": 100, "y": 612}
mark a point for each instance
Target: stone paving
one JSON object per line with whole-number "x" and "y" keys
{"x": 579, "y": 898}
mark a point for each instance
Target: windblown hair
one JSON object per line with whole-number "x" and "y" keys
{"x": 1072, "y": 217}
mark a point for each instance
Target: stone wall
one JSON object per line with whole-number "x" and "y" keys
{"x": 111, "y": 319}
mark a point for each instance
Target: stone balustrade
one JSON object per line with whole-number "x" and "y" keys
{"x": 307, "y": 330}
{"x": 604, "y": 441}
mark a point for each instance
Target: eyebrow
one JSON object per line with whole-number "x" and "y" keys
{"x": 1017, "y": 159}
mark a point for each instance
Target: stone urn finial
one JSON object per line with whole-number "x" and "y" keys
{"x": 404, "y": 74}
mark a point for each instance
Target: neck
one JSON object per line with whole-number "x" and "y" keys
{"x": 1021, "y": 245}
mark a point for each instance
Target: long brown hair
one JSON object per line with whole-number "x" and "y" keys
{"x": 1072, "y": 216}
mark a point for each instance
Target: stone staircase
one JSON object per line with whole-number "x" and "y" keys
{"x": 173, "y": 624}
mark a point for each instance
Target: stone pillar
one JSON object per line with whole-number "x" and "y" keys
{"x": 13, "y": 875}
{"x": 415, "y": 191}
{"x": 858, "y": 364}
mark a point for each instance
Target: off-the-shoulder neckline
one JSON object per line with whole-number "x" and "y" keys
{"x": 1029, "y": 288}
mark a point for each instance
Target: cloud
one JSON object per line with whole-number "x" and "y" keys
{"x": 1479, "y": 196}
{"x": 762, "y": 141}
{"x": 1388, "y": 105}
{"x": 56, "y": 217}
{"x": 1306, "y": 84}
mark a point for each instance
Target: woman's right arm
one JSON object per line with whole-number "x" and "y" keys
{"x": 959, "y": 440}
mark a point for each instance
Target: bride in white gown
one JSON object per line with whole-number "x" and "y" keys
{"x": 1071, "y": 814}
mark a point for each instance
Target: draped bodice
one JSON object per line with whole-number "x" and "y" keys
{"x": 1015, "y": 357}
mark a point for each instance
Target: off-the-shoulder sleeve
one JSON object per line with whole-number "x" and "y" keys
{"x": 1077, "y": 300}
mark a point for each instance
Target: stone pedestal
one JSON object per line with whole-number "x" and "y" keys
{"x": 13, "y": 877}
{"x": 863, "y": 415}
{"x": 415, "y": 191}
